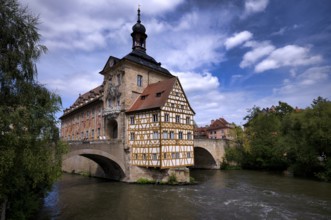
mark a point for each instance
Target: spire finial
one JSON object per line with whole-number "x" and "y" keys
{"x": 139, "y": 14}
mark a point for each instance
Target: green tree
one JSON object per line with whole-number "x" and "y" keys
{"x": 280, "y": 138}
{"x": 308, "y": 138}
{"x": 30, "y": 150}
{"x": 263, "y": 141}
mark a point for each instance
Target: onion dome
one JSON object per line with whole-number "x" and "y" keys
{"x": 139, "y": 35}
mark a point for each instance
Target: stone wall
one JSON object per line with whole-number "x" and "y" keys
{"x": 83, "y": 166}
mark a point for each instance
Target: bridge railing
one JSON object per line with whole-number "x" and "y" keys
{"x": 91, "y": 142}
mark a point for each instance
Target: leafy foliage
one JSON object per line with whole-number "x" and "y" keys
{"x": 30, "y": 150}
{"x": 281, "y": 137}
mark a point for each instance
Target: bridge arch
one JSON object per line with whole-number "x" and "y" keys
{"x": 112, "y": 168}
{"x": 203, "y": 158}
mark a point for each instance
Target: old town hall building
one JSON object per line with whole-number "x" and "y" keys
{"x": 139, "y": 103}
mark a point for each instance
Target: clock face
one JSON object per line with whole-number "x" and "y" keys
{"x": 111, "y": 63}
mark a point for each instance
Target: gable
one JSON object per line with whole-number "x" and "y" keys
{"x": 177, "y": 100}
{"x": 109, "y": 64}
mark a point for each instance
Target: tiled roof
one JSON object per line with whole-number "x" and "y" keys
{"x": 142, "y": 58}
{"x": 84, "y": 99}
{"x": 219, "y": 123}
{"x": 154, "y": 95}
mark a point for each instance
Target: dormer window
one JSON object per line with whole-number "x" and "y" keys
{"x": 143, "y": 97}
{"x": 158, "y": 94}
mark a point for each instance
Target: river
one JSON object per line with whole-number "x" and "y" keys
{"x": 218, "y": 195}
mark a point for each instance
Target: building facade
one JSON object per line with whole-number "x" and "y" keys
{"x": 139, "y": 103}
{"x": 218, "y": 129}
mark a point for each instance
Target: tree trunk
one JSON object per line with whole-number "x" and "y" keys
{"x": 3, "y": 210}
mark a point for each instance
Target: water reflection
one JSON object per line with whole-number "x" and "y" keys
{"x": 219, "y": 195}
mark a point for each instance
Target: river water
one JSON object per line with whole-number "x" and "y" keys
{"x": 218, "y": 195}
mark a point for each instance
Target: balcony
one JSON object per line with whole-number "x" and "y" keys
{"x": 111, "y": 111}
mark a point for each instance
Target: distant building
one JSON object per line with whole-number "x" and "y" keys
{"x": 218, "y": 129}
{"x": 138, "y": 103}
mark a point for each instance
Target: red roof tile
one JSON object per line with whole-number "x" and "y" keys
{"x": 81, "y": 100}
{"x": 149, "y": 98}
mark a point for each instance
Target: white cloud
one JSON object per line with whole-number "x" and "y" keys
{"x": 259, "y": 51}
{"x": 314, "y": 75}
{"x": 308, "y": 85}
{"x": 254, "y": 6}
{"x": 196, "y": 82}
{"x": 290, "y": 55}
{"x": 83, "y": 24}
{"x": 237, "y": 39}
{"x": 191, "y": 52}
{"x": 209, "y": 101}
{"x": 73, "y": 84}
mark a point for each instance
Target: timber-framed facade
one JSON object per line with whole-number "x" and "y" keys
{"x": 160, "y": 127}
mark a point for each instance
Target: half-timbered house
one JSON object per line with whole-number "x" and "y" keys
{"x": 160, "y": 127}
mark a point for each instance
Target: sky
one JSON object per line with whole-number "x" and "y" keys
{"x": 230, "y": 55}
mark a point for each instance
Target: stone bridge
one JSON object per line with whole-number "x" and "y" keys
{"x": 109, "y": 159}
{"x": 209, "y": 153}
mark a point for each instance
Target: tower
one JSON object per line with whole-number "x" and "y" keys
{"x": 139, "y": 35}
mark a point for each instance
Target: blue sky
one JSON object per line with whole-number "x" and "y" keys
{"x": 229, "y": 54}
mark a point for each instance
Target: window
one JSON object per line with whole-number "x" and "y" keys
{"x": 175, "y": 155}
{"x": 177, "y": 94}
{"x": 144, "y": 157}
{"x": 155, "y": 135}
{"x": 165, "y": 134}
{"x": 98, "y": 132}
{"x": 172, "y": 105}
{"x": 135, "y": 156}
{"x": 188, "y": 154}
{"x": 92, "y": 133}
{"x": 132, "y": 136}
{"x": 188, "y": 119}
{"x": 164, "y": 155}
{"x": 154, "y": 156}
{"x": 155, "y": 117}
{"x": 166, "y": 117}
{"x": 132, "y": 120}
{"x": 158, "y": 94}
{"x": 82, "y": 135}
{"x": 180, "y": 135}
{"x": 143, "y": 97}
{"x": 189, "y": 136}
{"x": 172, "y": 135}
{"x": 139, "y": 80}
{"x": 86, "y": 135}
{"x": 177, "y": 119}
